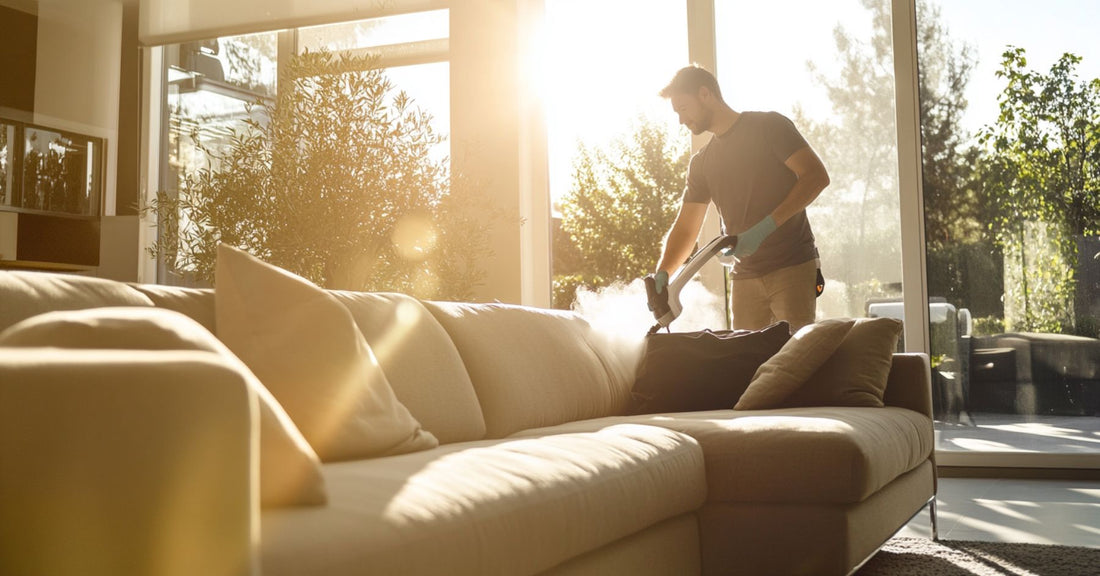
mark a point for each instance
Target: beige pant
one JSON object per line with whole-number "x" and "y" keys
{"x": 786, "y": 294}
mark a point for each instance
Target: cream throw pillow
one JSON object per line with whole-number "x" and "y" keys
{"x": 800, "y": 357}
{"x": 290, "y": 473}
{"x": 856, "y": 373}
{"x": 305, "y": 347}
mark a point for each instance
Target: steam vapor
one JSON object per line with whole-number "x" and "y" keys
{"x": 618, "y": 313}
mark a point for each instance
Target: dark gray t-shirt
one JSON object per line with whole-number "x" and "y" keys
{"x": 743, "y": 172}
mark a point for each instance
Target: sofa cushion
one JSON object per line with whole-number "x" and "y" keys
{"x": 420, "y": 362}
{"x": 688, "y": 371}
{"x": 26, "y": 294}
{"x": 531, "y": 367}
{"x": 290, "y": 473}
{"x": 195, "y": 303}
{"x": 855, "y": 375}
{"x": 305, "y": 347}
{"x": 788, "y": 369}
{"x": 130, "y": 462}
{"x": 795, "y": 455}
{"x": 488, "y": 507}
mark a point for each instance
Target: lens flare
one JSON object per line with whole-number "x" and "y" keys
{"x": 414, "y": 236}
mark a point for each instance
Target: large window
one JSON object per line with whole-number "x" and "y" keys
{"x": 7, "y": 163}
{"x": 821, "y": 81}
{"x": 1011, "y": 284}
{"x": 221, "y": 90}
{"x": 616, "y": 153}
{"x": 413, "y": 49}
{"x": 1012, "y": 215}
{"x": 828, "y": 66}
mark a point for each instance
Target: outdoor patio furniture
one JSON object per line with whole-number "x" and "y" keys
{"x": 1064, "y": 370}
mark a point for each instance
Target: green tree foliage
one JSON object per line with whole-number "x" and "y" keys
{"x": 1043, "y": 167}
{"x": 854, "y": 216}
{"x": 333, "y": 180}
{"x": 964, "y": 265}
{"x": 855, "y": 219}
{"x": 953, "y": 207}
{"x": 622, "y": 201}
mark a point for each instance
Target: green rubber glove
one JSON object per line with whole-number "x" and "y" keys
{"x": 751, "y": 239}
{"x": 661, "y": 280}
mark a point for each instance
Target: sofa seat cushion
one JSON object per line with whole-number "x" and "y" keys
{"x": 515, "y": 506}
{"x": 794, "y": 455}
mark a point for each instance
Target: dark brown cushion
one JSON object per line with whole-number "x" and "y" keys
{"x": 685, "y": 372}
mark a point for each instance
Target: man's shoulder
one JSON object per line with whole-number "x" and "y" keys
{"x": 765, "y": 117}
{"x": 701, "y": 153}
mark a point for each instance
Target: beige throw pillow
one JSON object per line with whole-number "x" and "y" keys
{"x": 800, "y": 357}
{"x": 856, "y": 373}
{"x": 290, "y": 473}
{"x": 305, "y": 347}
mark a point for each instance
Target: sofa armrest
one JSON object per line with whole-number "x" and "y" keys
{"x": 126, "y": 462}
{"x": 909, "y": 384}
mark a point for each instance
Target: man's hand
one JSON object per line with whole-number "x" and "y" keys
{"x": 749, "y": 240}
{"x": 661, "y": 280}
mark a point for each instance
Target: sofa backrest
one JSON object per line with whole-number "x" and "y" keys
{"x": 421, "y": 363}
{"x": 416, "y": 354}
{"x": 464, "y": 371}
{"x": 196, "y": 303}
{"x": 25, "y": 294}
{"x": 532, "y": 367}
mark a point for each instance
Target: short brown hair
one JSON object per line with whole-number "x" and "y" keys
{"x": 689, "y": 79}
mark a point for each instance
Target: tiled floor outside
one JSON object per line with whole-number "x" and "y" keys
{"x": 1009, "y": 510}
{"x": 988, "y": 431}
{"x": 1063, "y": 512}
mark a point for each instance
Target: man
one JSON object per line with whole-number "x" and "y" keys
{"x": 761, "y": 174}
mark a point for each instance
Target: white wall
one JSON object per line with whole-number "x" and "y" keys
{"x": 498, "y": 142}
{"x": 77, "y": 74}
{"x": 77, "y": 88}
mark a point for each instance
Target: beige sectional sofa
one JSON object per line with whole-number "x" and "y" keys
{"x": 147, "y": 461}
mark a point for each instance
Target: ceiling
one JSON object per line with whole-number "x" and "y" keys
{"x": 31, "y": 6}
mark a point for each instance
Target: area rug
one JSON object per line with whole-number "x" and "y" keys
{"x": 923, "y": 557}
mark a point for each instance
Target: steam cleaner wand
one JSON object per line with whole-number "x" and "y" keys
{"x": 666, "y": 305}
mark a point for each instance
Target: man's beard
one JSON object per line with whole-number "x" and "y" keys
{"x": 703, "y": 124}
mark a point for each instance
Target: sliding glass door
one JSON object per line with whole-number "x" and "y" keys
{"x": 1010, "y": 113}
{"x": 828, "y": 66}
{"x": 617, "y": 155}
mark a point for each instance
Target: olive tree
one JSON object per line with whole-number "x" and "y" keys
{"x": 334, "y": 179}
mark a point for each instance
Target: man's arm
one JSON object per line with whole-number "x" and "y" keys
{"x": 683, "y": 235}
{"x": 812, "y": 179}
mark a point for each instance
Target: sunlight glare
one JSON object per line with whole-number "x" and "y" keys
{"x": 414, "y": 236}
{"x": 604, "y": 63}
{"x": 980, "y": 445}
{"x": 1006, "y": 509}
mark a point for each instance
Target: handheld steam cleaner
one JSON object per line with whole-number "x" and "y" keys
{"x": 666, "y": 304}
